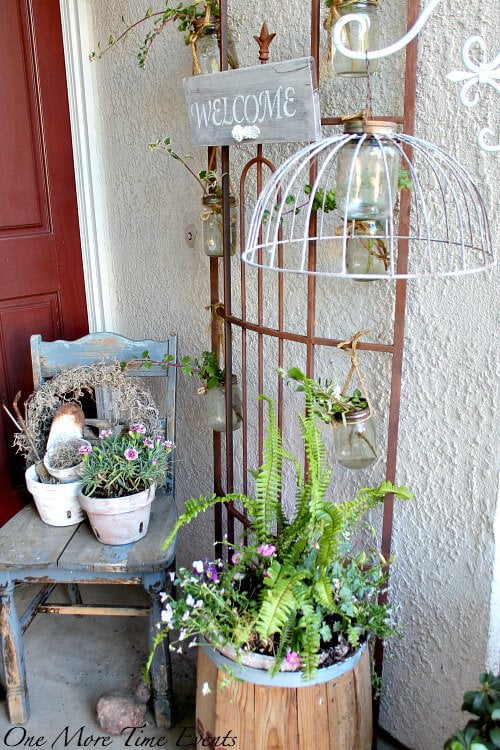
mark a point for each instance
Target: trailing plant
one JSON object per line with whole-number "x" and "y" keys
{"x": 327, "y": 401}
{"x": 185, "y": 16}
{"x": 300, "y": 586}
{"x": 120, "y": 465}
{"x": 325, "y": 199}
{"x": 483, "y": 732}
{"x": 208, "y": 180}
{"x": 206, "y": 367}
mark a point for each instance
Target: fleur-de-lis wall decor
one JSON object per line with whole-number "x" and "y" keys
{"x": 477, "y": 74}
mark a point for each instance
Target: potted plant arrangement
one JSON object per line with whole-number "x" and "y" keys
{"x": 119, "y": 479}
{"x": 213, "y": 378}
{"x": 211, "y": 215}
{"x": 482, "y": 732}
{"x": 294, "y": 607}
{"x": 350, "y": 417}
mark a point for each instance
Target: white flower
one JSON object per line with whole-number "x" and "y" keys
{"x": 163, "y": 596}
{"x": 205, "y": 690}
{"x": 337, "y": 391}
{"x": 167, "y": 614}
{"x": 198, "y": 566}
{"x": 192, "y": 644}
{"x": 185, "y": 616}
{"x": 189, "y": 600}
{"x": 183, "y": 634}
{"x": 172, "y": 576}
{"x": 239, "y": 576}
{"x": 179, "y": 650}
{"x": 198, "y": 603}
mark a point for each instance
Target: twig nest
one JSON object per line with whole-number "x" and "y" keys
{"x": 117, "y": 710}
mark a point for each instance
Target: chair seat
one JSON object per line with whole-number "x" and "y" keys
{"x": 26, "y": 542}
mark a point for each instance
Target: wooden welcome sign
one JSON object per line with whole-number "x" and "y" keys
{"x": 272, "y": 103}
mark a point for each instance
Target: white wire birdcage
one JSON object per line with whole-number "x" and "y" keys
{"x": 343, "y": 192}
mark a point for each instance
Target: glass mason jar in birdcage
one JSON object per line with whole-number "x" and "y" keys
{"x": 358, "y": 37}
{"x": 354, "y": 441}
{"x": 366, "y": 248}
{"x": 207, "y": 48}
{"x": 367, "y": 171}
{"x": 212, "y": 225}
{"x": 215, "y": 404}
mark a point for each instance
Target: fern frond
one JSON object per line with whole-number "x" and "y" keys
{"x": 329, "y": 539}
{"x": 268, "y": 481}
{"x": 323, "y": 593}
{"x": 278, "y": 601}
{"x": 195, "y": 506}
{"x": 310, "y": 639}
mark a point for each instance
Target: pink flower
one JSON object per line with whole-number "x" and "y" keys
{"x": 266, "y": 550}
{"x": 148, "y": 442}
{"x": 84, "y": 449}
{"x": 137, "y": 428}
{"x": 104, "y": 434}
{"x": 130, "y": 454}
{"x": 168, "y": 444}
{"x": 159, "y": 438}
{"x": 154, "y": 461}
{"x": 236, "y": 558}
{"x": 293, "y": 659}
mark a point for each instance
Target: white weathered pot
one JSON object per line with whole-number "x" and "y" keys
{"x": 57, "y": 504}
{"x": 71, "y": 474}
{"x": 119, "y": 520}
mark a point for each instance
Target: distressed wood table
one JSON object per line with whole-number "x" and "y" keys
{"x": 33, "y": 552}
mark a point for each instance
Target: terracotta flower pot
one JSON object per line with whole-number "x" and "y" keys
{"x": 57, "y": 504}
{"x": 119, "y": 520}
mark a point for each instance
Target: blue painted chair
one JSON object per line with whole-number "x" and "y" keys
{"x": 32, "y": 552}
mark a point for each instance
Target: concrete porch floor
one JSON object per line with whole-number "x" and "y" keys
{"x": 71, "y": 661}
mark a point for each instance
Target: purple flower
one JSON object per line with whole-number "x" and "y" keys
{"x": 104, "y": 434}
{"x": 148, "y": 442}
{"x": 130, "y": 454}
{"x": 293, "y": 659}
{"x": 198, "y": 566}
{"x": 211, "y": 574}
{"x": 236, "y": 558}
{"x": 137, "y": 428}
{"x": 84, "y": 449}
{"x": 168, "y": 444}
{"x": 266, "y": 550}
{"x": 159, "y": 438}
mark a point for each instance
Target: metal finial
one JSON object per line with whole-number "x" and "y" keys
{"x": 264, "y": 41}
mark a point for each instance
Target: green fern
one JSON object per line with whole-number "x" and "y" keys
{"x": 268, "y": 481}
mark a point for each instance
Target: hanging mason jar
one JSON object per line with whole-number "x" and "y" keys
{"x": 358, "y": 37}
{"x": 207, "y": 47}
{"x": 355, "y": 441}
{"x": 215, "y": 404}
{"x": 367, "y": 178}
{"x": 366, "y": 248}
{"x": 212, "y": 226}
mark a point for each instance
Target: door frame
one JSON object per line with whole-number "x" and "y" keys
{"x": 88, "y": 169}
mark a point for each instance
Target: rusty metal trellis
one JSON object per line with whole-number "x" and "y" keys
{"x": 310, "y": 340}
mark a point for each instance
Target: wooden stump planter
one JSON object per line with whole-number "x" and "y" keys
{"x": 331, "y": 712}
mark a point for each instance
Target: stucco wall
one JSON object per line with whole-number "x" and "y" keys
{"x": 445, "y": 539}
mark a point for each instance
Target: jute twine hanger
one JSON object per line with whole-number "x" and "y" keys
{"x": 352, "y": 345}
{"x": 194, "y": 38}
{"x": 329, "y": 23}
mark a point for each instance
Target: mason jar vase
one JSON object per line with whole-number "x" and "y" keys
{"x": 215, "y": 405}
{"x": 367, "y": 175}
{"x": 212, "y": 226}
{"x": 358, "y": 37}
{"x": 366, "y": 248}
{"x": 355, "y": 441}
{"x": 207, "y": 49}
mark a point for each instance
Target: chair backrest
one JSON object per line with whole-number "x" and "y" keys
{"x": 50, "y": 357}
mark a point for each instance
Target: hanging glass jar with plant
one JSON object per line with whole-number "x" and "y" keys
{"x": 213, "y": 378}
{"x": 211, "y": 215}
{"x": 351, "y": 417}
{"x": 212, "y": 225}
{"x": 360, "y": 37}
{"x": 368, "y": 170}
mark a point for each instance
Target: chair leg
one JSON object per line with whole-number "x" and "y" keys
{"x": 161, "y": 666}
{"x": 74, "y": 594}
{"x": 12, "y": 648}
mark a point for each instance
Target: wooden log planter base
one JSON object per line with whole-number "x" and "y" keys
{"x": 332, "y": 712}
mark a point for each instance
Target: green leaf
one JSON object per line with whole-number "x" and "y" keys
{"x": 296, "y": 374}
{"x": 145, "y": 355}
{"x": 212, "y": 382}
{"x": 495, "y": 736}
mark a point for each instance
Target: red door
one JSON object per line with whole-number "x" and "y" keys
{"x": 41, "y": 273}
